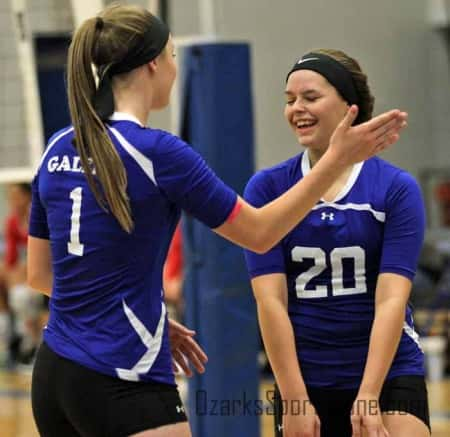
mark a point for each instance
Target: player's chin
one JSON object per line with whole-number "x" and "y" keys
{"x": 306, "y": 140}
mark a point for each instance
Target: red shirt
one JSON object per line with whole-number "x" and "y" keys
{"x": 174, "y": 263}
{"x": 15, "y": 239}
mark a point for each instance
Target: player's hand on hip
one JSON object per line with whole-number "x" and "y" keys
{"x": 366, "y": 416}
{"x": 185, "y": 349}
{"x": 300, "y": 419}
{"x": 353, "y": 144}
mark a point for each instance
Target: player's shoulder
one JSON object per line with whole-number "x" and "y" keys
{"x": 384, "y": 173}
{"x": 55, "y": 142}
{"x": 268, "y": 183}
{"x": 58, "y": 135}
{"x": 285, "y": 170}
{"x": 61, "y": 136}
{"x": 390, "y": 183}
{"x": 166, "y": 141}
{"x": 151, "y": 142}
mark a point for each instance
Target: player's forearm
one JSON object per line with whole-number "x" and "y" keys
{"x": 42, "y": 282}
{"x": 277, "y": 218}
{"x": 278, "y": 336}
{"x": 259, "y": 229}
{"x": 384, "y": 340}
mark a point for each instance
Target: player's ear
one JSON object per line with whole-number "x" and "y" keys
{"x": 152, "y": 65}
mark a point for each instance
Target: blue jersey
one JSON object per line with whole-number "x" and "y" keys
{"x": 332, "y": 260}
{"x": 107, "y": 310}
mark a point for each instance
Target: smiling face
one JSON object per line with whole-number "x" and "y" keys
{"x": 313, "y": 108}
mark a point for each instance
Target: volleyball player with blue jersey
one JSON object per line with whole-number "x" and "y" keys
{"x": 332, "y": 296}
{"x": 106, "y": 199}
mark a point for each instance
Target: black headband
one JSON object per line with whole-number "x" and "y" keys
{"x": 331, "y": 70}
{"x": 151, "y": 44}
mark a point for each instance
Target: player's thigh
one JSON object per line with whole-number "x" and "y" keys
{"x": 104, "y": 406}
{"x": 399, "y": 424}
{"x": 48, "y": 415}
{"x": 175, "y": 430}
{"x": 404, "y": 406}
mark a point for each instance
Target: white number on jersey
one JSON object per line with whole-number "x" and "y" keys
{"x": 337, "y": 256}
{"x": 74, "y": 246}
{"x": 320, "y": 264}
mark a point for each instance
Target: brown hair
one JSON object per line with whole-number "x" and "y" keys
{"x": 102, "y": 46}
{"x": 366, "y": 99}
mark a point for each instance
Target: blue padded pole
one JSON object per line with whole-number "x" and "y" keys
{"x": 218, "y": 122}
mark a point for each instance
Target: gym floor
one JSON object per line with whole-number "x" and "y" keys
{"x": 16, "y": 419}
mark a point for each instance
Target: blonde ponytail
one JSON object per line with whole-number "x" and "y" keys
{"x": 101, "y": 163}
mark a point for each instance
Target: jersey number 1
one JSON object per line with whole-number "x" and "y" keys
{"x": 74, "y": 246}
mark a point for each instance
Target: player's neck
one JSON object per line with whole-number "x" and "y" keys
{"x": 314, "y": 155}
{"x": 141, "y": 113}
{"x": 134, "y": 101}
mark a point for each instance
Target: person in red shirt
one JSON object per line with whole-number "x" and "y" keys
{"x": 26, "y": 306}
{"x": 173, "y": 274}
{"x": 16, "y": 227}
{"x": 443, "y": 197}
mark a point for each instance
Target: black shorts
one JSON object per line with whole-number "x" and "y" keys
{"x": 70, "y": 400}
{"x": 406, "y": 394}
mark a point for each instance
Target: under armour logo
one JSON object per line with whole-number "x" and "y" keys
{"x": 180, "y": 409}
{"x": 327, "y": 216}
{"x": 280, "y": 428}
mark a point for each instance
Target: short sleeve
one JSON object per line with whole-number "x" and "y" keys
{"x": 185, "y": 178}
{"x": 258, "y": 192}
{"x": 404, "y": 228}
{"x": 38, "y": 218}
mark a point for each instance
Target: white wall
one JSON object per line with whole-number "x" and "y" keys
{"x": 391, "y": 40}
{"x": 437, "y": 99}
{"x": 12, "y": 119}
{"x": 406, "y": 61}
{"x": 48, "y": 16}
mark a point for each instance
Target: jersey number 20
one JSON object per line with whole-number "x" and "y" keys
{"x": 337, "y": 256}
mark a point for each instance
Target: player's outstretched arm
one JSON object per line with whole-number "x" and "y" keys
{"x": 259, "y": 229}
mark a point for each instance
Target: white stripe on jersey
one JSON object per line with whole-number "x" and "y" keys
{"x": 380, "y": 216}
{"x": 153, "y": 344}
{"x": 411, "y": 333}
{"x": 143, "y": 162}
{"x": 67, "y": 131}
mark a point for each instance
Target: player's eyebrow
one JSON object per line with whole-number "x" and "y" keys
{"x": 306, "y": 93}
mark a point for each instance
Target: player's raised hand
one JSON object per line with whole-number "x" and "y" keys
{"x": 185, "y": 349}
{"x": 353, "y": 144}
